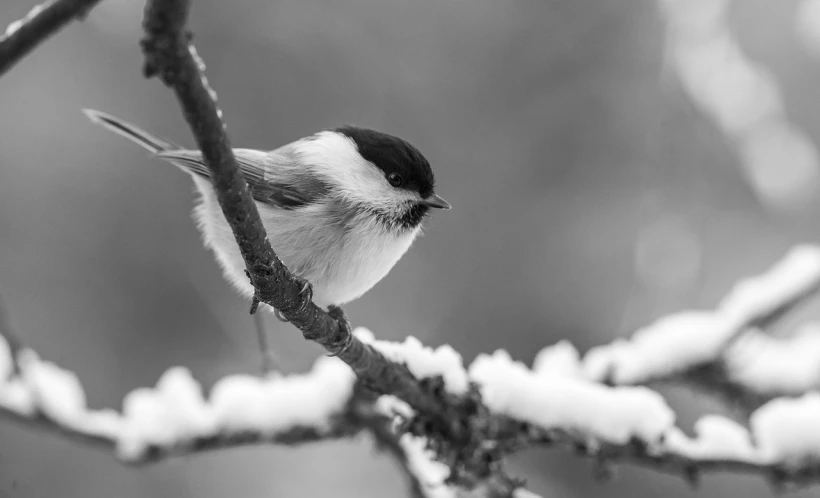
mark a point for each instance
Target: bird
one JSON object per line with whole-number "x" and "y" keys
{"x": 340, "y": 207}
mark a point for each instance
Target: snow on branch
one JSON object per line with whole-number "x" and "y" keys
{"x": 175, "y": 417}
{"x": 570, "y": 399}
{"x": 727, "y": 344}
{"x": 500, "y": 405}
{"x": 634, "y": 424}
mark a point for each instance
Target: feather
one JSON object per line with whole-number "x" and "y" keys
{"x": 260, "y": 172}
{"x": 263, "y": 171}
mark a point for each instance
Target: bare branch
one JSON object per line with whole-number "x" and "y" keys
{"x": 387, "y": 440}
{"x": 40, "y": 23}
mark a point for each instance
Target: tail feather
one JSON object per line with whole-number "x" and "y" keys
{"x": 131, "y": 132}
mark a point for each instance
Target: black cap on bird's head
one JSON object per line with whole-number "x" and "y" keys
{"x": 404, "y": 166}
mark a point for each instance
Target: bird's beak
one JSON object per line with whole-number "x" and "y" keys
{"x": 435, "y": 201}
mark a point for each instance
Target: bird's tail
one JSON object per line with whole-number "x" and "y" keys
{"x": 131, "y": 132}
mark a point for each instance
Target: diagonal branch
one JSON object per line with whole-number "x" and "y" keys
{"x": 169, "y": 55}
{"x": 41, "y": 22}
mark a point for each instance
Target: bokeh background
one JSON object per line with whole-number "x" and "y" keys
{"x": 608, "y": 162}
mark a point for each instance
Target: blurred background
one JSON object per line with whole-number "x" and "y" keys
{"x": 608, "y": 162}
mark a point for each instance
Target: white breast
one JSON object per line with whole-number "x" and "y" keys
{"x": 368, "y": 255}
{"x": 342, "y": 264}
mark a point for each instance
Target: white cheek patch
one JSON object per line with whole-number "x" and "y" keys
{"x": 336, "y": 157}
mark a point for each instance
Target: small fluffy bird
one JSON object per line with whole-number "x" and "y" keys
{"x": 340, "y": 207}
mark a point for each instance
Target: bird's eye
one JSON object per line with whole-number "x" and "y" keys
{"x": 395, "y": 179}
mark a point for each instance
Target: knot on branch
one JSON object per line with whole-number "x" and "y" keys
{"x": 162, "y": 52}
{"x": 259, "y": 274}
{"x": 274, "y": 285}
{"x": 166, "y": 40}
{"x": 344, "y": 339}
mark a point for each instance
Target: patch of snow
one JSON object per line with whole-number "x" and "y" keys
{"x": 422, "y": 361}
{"x": 612, "y": 414}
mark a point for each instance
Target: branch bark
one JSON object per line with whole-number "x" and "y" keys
{"x": 41, "y": 22}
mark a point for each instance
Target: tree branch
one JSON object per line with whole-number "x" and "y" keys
{"x": 22, "y": 36}
{"x": 175, "y": 418}
{"x": 501, "y": 405}
{"x": 169, "y": 55}
{"x": 687, "y": 340}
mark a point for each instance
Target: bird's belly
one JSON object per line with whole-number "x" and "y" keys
{"x": 364, "y": 260}
{"x": 341, "y": 265}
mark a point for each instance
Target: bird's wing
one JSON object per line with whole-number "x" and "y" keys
{"x": 265, "y": 174}
{"x": 275, "y": 178}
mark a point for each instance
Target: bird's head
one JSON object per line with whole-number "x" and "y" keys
{"x": 376, "y": 172}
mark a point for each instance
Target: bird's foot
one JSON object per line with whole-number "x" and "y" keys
{"x": 279, "y": 316}
{"x": 337, "y": 314}
{"x": 306, "y": 292}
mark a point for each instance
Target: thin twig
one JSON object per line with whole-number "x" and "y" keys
{"x": 388, "y": 441}
{"x": 40, "y": 23}
{"x": 269, "y": 362}
{"x": 12, "y": 339}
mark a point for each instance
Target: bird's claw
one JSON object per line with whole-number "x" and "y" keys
{"x": 305, "y": 292}
{"x": 337, "y": 314}
{"x": 279, "y": 316}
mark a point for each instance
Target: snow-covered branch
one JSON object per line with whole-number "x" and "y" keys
{"x": 635, "y": 424}
{"x": 175, "y": 417}
{"x": 727, "y": 349}
{"x": 569, "y": 399}
{"x": 493, "y": 407}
